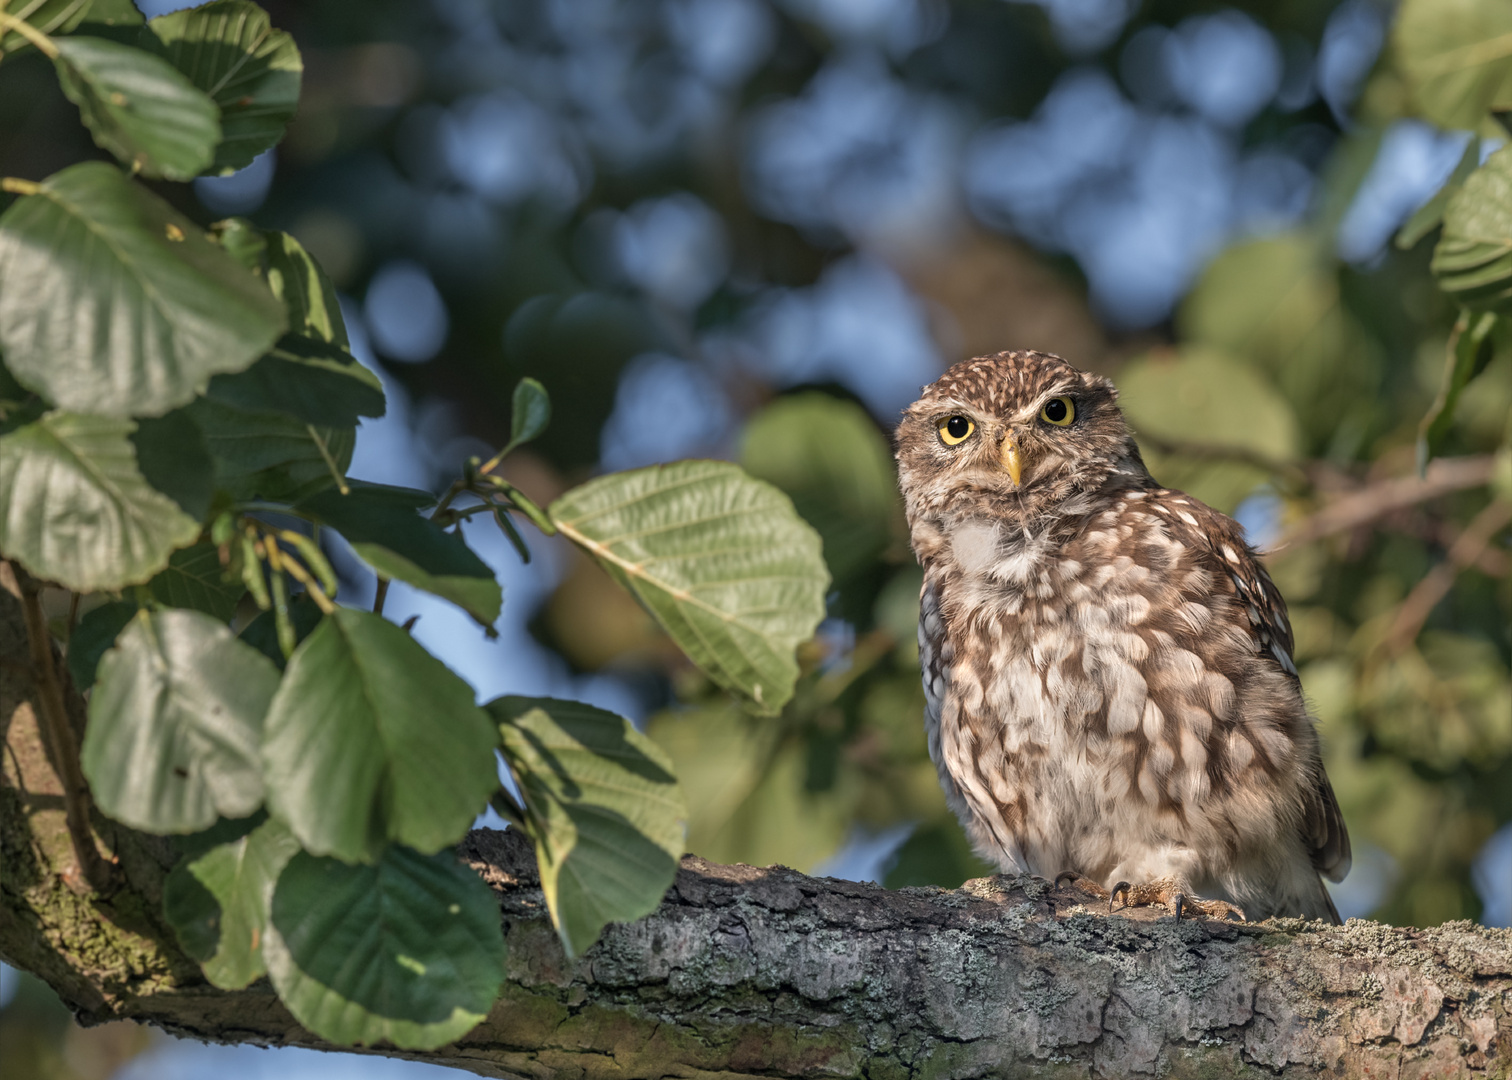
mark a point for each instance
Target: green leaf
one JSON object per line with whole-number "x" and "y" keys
{"x": 309, "y": 383}
{"x": 603, "y": 808}
{"x": 530, "y": 413}
{"x": 174, "y": 458}
{"x": 722, "y": 561}
{"x": 831, "y": 460}
{"x": 1473, "y": 258}
{"x": 1455, "y": 57}
{"x": 111, "y": 14}
{"x": 1202, "y": 398}
{"x": 408, "y": 950}
{"x": 77, "y": 510}
{"x": 96, "y": 631}
{"x": 747, "y": 786}
{"x": 1470, "y": 350}
{"x": 384, "y": 529}
{"x": 138, "y": 106}
{"x": 261, "y": 455}
{"x": 372, "y": 739}
{"x": 195, "y": 579}
{"x": 229, "y": 50}
{"x": 937, "y": 853}
{"x": 218, "y": 902}
{"x": 175, "y": 723}
{"x": 308, "y": 295}
{"x": 48, "y": 16}
{"x": 111, "y": 302}
{"x": 1431, "y": 214}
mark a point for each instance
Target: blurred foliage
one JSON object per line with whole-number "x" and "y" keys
{"x": 1286, "y": 372}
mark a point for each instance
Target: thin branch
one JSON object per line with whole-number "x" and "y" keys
{"x": 1375, "y": 501}
{"x": 381, "y": 595}
{"x": 1294, "y": 473}
{"x": 1427, "y": 593}
{"x": 92, "y": 867}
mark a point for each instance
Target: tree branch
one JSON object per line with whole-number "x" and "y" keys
{"x": 746, "y": 972}
{"x": 1375, "y": 501}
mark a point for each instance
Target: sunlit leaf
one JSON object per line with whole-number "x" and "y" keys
{"x": 76, "y": 509}
{"x": 721, "y": 560}
{"x": 830, "y": 458}
{"x": 529, "y": 414}
{"x": 372, "y": 739}
{"x": 175, "y": 722}
{"x": 112, "y": 302}
{"x": 230, "y": 50}
{"x": 196, "y": 579}
{"x": 408, "y": 950}
{"x": 1453, "y": 57}
{"x": 308, "y": 295}
{"x": 218, "y": 902}
{"x": 383, "y": 528}
{"x": 138, "y": 106}
{"x": 603, "y": 809}
{"x": 1473, "y": 258}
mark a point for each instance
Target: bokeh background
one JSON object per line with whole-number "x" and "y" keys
{"x": 751, "y": 229}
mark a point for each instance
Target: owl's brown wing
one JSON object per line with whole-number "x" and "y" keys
{"x": 1221, "y": 540}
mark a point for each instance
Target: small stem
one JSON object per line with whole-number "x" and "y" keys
{"x": 381, "y": 595}
{"x": 301, "y": 575}
{"x": 60, "y": 733}
{"x": 341, "y": 484}
{"x": 17, "y": 186}
{"x": 43, "y": 43}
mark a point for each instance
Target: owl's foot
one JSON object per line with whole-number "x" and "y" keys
{"x": 1166, "y": 891}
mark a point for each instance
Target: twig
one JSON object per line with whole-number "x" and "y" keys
{"x": 43, "y": 43}
{"x": 1426, "y": 594}
{"x": 60, "y": 733}
{"x": 381, "y": 595}
{"x": 1293, "y": 472}
{"x": 1376, "y": 500}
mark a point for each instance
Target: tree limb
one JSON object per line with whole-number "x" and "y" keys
{"x": 745, "y": 972}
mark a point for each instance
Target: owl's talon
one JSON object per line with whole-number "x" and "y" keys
{"x": 1178, "y": 902}
{"x": 1066, "y": 875}
{"x": 1121, "y": 887}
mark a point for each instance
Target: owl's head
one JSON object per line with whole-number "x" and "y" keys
{"x": 1018, "y": 434}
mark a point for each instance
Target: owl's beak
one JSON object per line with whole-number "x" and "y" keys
{"x": 1012, "y": 462}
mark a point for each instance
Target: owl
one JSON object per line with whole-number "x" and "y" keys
{"x": 1107, "y": 667}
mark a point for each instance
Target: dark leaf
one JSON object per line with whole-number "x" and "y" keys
{"x": 407, "y": 950}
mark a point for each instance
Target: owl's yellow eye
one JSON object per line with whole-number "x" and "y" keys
{"x": 1058, "y": 411}
{"x": 956, "y": 430}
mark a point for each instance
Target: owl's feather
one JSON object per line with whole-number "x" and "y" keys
{"x": 1107, "y": 665}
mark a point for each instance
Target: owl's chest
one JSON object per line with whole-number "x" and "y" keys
{"x": 1045, "y": 639}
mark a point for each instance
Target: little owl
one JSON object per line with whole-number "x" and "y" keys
{"x": 1107, "y": 667}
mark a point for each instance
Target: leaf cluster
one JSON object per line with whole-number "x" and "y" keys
{"x": 180, "y": 410}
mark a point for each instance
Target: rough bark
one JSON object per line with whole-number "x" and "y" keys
{"x": 746, "y": 971}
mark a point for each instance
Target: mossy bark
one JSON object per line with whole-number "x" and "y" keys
{"x": 766, "y": 972}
